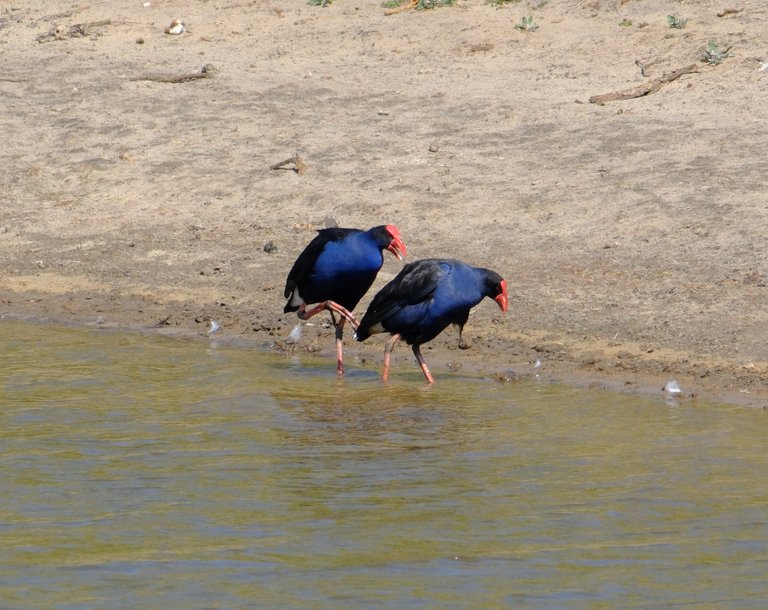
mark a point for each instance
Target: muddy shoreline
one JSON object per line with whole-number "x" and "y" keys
{"x": 507, "y": 357}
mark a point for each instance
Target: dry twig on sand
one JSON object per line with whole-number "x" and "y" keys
{"x": 644, "y": 89}
{"x": 297, "y": 161}
{"x": 205, "y": 72}
{"x": 79, "y": 30}
{"x": 401, "y": 9}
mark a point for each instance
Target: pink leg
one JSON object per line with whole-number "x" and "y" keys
{"x": 306, "y": 314}
{"x": 387, "y": 353}
{"x": 422, "y": 364}
{"x": 340, "y": 347}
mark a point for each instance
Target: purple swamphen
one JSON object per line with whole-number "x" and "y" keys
{"x": 335, "y": 270}
{"x": 423, "y": 299}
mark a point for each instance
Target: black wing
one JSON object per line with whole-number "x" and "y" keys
{"x": 415, "y": 283}
{"x": 304, "y": 266}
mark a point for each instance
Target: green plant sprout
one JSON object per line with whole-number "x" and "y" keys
{"x": 676, "y": 22}
{"x": 713, "y": 54}
{"x": 527, "y": 25}
{"x": 425, "y": 4}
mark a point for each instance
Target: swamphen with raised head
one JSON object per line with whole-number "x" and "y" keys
{"x": 425, "y": 297}
{"x": 335, "y": 270}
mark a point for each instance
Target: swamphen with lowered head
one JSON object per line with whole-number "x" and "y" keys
{"x": 335, "y": 270}
{"x": 423, "y": 299}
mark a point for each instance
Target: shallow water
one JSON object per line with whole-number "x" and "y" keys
{"x": 145, "y": 472}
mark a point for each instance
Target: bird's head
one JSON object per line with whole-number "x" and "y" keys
{"x": 396, "y": 245}
{"x": 496, "y": 288}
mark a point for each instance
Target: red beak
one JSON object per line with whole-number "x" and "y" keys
{"x": 397, "y": 246}
{"x": 501, "y": 298}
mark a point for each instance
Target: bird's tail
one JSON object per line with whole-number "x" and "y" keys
{"x": 294, "y": 298}
{"x": 361, "y": 334}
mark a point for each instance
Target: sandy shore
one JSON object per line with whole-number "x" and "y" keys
{"x": 139, "y": 195}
